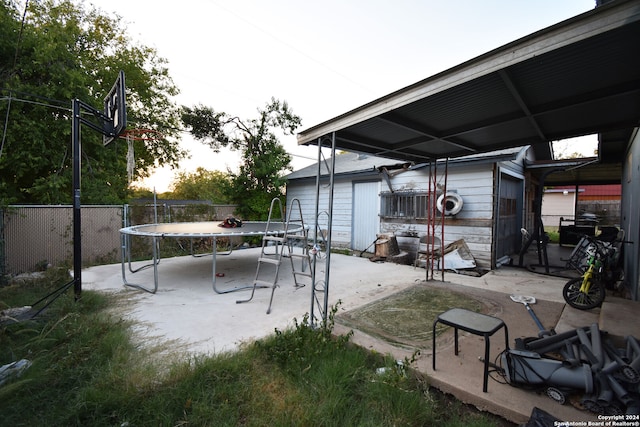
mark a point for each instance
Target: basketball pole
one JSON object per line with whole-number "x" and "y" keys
{"x": 77, "y": 107}
{"x": 77, "y": 226}
{"x": 112, "y": 122}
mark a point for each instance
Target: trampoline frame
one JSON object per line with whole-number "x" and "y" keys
{"x": 191, "y": 230}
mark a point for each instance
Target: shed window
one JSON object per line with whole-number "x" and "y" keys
{"x": 408, "y": 204}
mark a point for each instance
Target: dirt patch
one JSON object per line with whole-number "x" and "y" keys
{"x": 406, "y": 318}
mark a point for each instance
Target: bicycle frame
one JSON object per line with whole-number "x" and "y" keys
{"x": 586, "y": 278}
{"x": 588, "y": 290}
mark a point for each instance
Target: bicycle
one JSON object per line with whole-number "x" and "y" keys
{"x": 602, "y": 271}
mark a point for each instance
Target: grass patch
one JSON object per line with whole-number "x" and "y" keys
{"x": 89, "y": 370}
{"x": 406, "y": 318}
{"x": 554, "y": 236}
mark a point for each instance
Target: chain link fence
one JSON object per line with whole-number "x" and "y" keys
{"x": 34, "y": 237}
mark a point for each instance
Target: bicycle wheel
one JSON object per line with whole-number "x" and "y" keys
{"x": 583, "y": 300}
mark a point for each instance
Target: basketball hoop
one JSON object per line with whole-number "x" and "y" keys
{"x": 141, "y": 134}
{"x": 132, "y": 135}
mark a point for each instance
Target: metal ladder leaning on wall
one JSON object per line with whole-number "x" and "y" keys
{"x": 279, "y": 241}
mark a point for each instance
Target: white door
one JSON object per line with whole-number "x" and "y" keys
{"x": 365, "y": 220}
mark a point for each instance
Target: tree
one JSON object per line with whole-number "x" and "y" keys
{"x": 62, "y": 51}
{"x": 202, "y": 185}
{"x": 141, "y": 193}
{"x": 260, "y": 178}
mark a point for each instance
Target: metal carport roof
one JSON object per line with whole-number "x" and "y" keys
{"x": 578, "y": 77}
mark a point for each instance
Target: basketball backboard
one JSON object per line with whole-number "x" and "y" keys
{"x": 115, "y": 110}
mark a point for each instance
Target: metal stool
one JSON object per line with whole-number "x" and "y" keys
{"x": 475, "y": 323}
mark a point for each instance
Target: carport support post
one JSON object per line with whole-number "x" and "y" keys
{"x": 77, "y": 229}
{"x": 323, "y": 286}
{"x": 328, "y": 262}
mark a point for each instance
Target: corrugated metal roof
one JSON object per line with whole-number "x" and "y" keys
{"x": 353, "y": 163}
{"x": 578, "y": 77}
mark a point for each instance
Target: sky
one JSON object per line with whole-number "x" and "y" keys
{"x": 323, "y": 58}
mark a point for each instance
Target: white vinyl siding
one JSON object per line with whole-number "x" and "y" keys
{"x": 342, "y": 207}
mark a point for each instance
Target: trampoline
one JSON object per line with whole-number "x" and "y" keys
{"x": 192, "y": 230}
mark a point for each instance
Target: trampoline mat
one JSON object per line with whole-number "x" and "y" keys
{"x": 205, "y": 229}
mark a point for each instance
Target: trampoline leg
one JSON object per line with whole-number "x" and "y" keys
{"x": 214, "y": 279}
{"x": 154, "y": 264}
{"x": 214, "y": 244}
{"x": 253, "y": 291}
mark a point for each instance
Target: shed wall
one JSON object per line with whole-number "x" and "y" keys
{"x": 629, "y": 216}
{"x": 305, "y": 192}
{"x": 474, "y": 224}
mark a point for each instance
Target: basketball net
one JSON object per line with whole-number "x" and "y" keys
{"x": 131, "y": 136}
{"x": 131, "y": 159}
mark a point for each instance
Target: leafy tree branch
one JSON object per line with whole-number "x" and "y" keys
{"x": 264, "y": 159}
{"x": 65, "y": 50}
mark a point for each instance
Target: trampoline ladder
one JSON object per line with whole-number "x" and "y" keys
{"x": 274, "y": 259}
{"x": 298, "y": 239}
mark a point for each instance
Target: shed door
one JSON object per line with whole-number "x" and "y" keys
{"x": 509, "y": 221}
{"x": 365, "y": 220}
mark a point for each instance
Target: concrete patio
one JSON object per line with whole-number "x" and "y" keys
{"x": 198, "y": 320}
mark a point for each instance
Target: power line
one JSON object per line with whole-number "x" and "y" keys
{"x": 13, "y": 70}
{"x": 26, "y": 101}
{"x": 290, "y": 46}
{"x": 50, "y": 101}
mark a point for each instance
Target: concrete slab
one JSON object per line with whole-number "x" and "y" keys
{"x": 187, "y": 311}
{"x": 618, "y": 317}
{"x": 572, "y": 318}
{"x": 186, "y": 308}
{"x": 461, "y": 376}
